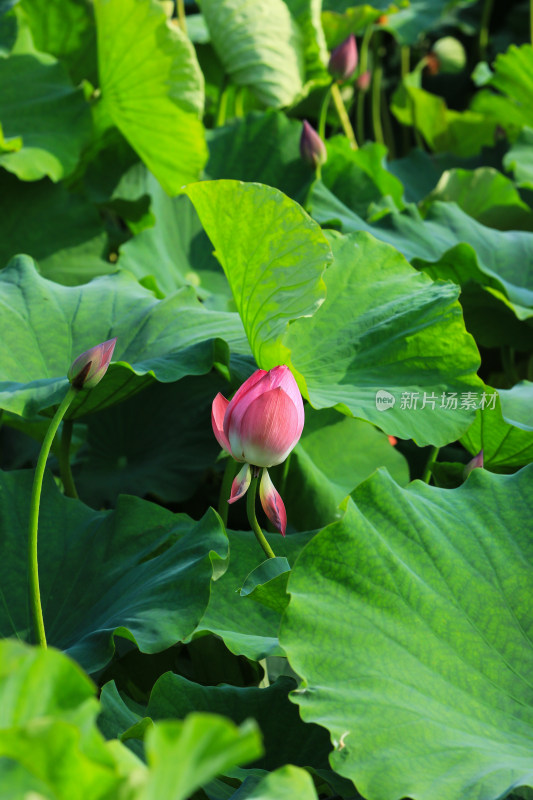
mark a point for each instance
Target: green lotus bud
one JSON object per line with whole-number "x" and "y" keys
{"x": 450, "y": 54}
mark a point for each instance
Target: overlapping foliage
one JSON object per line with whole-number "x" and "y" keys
{"x": 152, "y": 189}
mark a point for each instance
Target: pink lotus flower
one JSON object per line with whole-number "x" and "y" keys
{"x": 260, "y": 426}
{"x": 343, "y": 60}
{"x": 312, "y": 148}
{"x": 89, "y": 368}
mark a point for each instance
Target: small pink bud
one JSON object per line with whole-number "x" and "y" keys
{"x": 89, "y": 368}
{"x": 363, "y": 81}
{"x": 475, "y": 463}
{"x": 393, "y": 440}
{"x": 312, "y": 148}
{"x": 343, "y": 60}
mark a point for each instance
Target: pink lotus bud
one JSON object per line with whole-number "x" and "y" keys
{"x": 363, "y": 81}
{"x": 343, "y": 60}
{"x": 89, "y": 368}
{"x": 260, "y": 426}
{"x": 475, "y": 463}
{"x": 393, "y": 440}
{"x": 312, "y": 148}
{"x": 263, "y": 421}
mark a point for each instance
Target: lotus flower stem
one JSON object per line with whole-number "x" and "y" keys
{"x": 426, "y": 477}
{"x": 35, "y": 594}
{"x": 64, "y": 460}
{"x": 484, "y": 29}
{"x": 252, "y": 519}
{"x": 376, "y": 99}
{"x": 180, "y": 8}
{"x": 284, "y": 474}
{"x": 343, "y": 116}
{"x": 324, "y": 114}
{"x": 363, "y": 66}
{"x": 225, "y": 489}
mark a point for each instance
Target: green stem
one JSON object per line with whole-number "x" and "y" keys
{"x": 531, "y": 20}
{"x": 484, "y": 29}
{"x": 64, "y": 460}
{"x": 363, "y": 66}
{"x": 252, "y": 519}
{"x": 387, "y": 125}
{"x": 35, "y": 501}
{"x": 239, "y": 101}
{"x": 509, "y": 368}
{"x": 343, "y": 115}
{"x": 222, "y": 109}
{"x": 180, "y": 7}
{"x": 324, "y": 114}
{"x": 225, "y": 489}
{"x": 284, "y": 474}
{"x": 377, "y": 74}
{"x": 426, "y": 477}
{"x": 405, "y": 66}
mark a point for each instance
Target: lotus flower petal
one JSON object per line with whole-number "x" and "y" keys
{"x": 218, "y": 409}
{"x": 240, "y": 484}
{"x": 272, "y": 503}
{"x": 269, "y": 430}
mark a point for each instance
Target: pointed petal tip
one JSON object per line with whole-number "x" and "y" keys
{"x": 240, "y": 484}
{"x": 272, "y": 503}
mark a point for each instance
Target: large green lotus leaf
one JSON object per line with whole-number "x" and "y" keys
{"x": 502, "y": 260}
{"x": 152, "y": 88}
{"x": 334, "y": 455}
{"x": 24, "y": 671}
{"x": 420, "y": 598}
{"x": 183, "y": 756}
{"x": 341, "y": 22}
{"x": 139, "y": 571}
{"x": 247, "y": 628}
{"x": 418, "y": 17}
{"x": 512, "y": 76}
{"x": 175, "y": 251}
{"x": 463, "y": 133}
{"x": 307, "y": 14}
{"x": 39, "y": 105}
{"x": 166, "y": 457}
{"x": 66, "y": 31}
{"x": 284, "y": 783}
{"x": 273, "y": 255}
{"x": 492, "y": 319}
{"x": 49, "y": 744}
{"x": 70, "y": 248}
{"x": 386, "y": 332}
{"x": 484, "y": 194}
{"x": 45, "y": 326}
{"x": 504, "y": 428}
{"x": 173, "y": 696}
{"x": 519, "y": 159}
{"x": 8, "y": 29}
{"x": 260, "y": 46}
{"x": 359, "y": 177}
{"x": 262, "y": 147}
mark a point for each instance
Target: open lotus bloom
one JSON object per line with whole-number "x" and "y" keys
{"x": 89, "y": 368}
{"x": 260, "y": 426}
